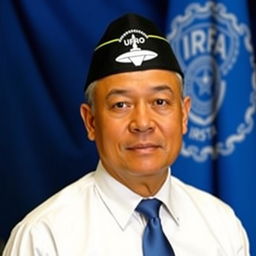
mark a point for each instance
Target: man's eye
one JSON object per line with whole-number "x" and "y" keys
{"x": 120, "y": 105}
{"x": 160, "y": 102}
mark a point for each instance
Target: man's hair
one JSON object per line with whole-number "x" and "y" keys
{"x": 89, "y": 92}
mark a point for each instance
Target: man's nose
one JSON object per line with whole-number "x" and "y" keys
{"x": 142, "y": 119}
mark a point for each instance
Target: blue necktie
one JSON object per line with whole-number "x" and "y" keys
{"x": 154, "y": 239}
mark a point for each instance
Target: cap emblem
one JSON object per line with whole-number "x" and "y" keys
{"x": 136, "y": 55}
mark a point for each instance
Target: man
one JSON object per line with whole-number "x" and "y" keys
{"x": 131, "y": 205}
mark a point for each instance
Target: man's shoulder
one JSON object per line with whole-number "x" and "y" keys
{"x": 67, "y": 199}
{"x": 214, "y": 214}
{"x": 52, "y": 220}
{"x": 203, "y": 200}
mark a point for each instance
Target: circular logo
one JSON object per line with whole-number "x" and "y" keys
{"x": 216, "y": 55}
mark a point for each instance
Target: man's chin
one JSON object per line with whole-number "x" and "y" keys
{"x": 145, "y": 170}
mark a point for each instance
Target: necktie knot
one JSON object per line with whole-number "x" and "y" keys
{"x": 149, "y": 208}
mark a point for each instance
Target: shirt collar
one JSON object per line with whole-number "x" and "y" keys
{"x": 165, "y": 195}
{"x": 121, "y": 201}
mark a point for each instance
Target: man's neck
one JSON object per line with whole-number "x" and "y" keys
{"x": 144, "y": 185}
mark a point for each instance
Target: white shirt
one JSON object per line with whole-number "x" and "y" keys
{"x": 95, "y": 216}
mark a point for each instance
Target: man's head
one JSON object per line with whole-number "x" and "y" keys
{"x": 137, "y": 113}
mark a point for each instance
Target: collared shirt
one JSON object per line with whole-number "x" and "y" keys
{"x": 96, "y": 216}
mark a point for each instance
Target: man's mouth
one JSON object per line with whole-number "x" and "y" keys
{"x": 143, "y": 147}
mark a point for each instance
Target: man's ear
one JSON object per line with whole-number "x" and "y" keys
{"x": 88, "y": 120}
{"x": 186, "y": 105}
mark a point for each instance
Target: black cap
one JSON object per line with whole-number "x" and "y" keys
{"x": 131, "y": 43}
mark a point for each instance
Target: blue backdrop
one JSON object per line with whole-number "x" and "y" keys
{"x": 45, "y": 48}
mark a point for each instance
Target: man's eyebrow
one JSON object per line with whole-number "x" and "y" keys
{"x": 157, "y": 88}
{"x": 115, "y": 92}
{"x": 163, "y": 87}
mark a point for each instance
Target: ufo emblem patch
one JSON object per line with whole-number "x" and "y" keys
{"x": 135, "y": 55}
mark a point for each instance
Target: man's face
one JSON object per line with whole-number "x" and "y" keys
{"x": 137, "y": 122}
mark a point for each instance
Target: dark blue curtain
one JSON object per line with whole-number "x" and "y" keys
{"x": 45, "y": 49}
